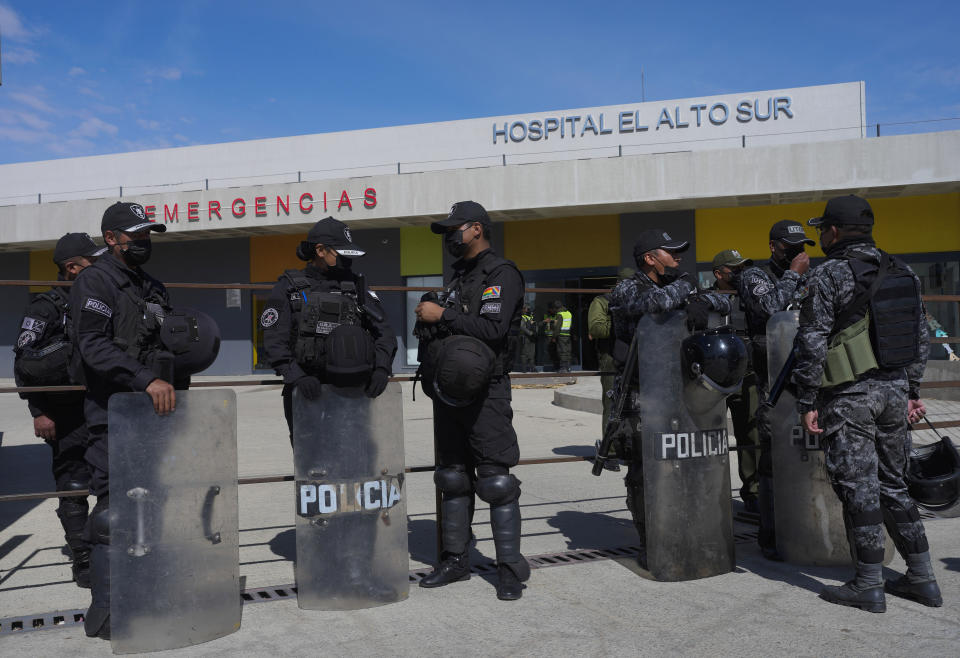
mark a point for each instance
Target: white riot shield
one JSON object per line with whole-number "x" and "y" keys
{"x": 174, "y": 551}
{"x": 807, "y": 512}
{"x": 351, "y": 510}
{"x": 686, "y": 470}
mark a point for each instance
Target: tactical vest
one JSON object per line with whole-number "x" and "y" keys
{"x": 879, "y": 329}
{"x": 316, "y": 314}
{"x": 566, "y": 321}
{"x": 527, "y": 325}
{"x": 48, "y": 363}
{"x": 469, "y": 298}
{"x": 550, "y": 322}
{"x": 137, "y": 319}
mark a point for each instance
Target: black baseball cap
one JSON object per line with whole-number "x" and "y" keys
{"x": 335, "y": 234}
{"x": 75, "y": 244}
{"x": 129, "y": 218}
{"x": 791, "y": 232}
{"x": 462, "y": 212}
{"x": 849, "y": 210}
{"x": 657, "y": 238}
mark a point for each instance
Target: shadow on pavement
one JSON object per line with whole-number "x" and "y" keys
{"x": 575, "y": 451}
{"x": 24, "y": 469}
{"x": 586, "y": 530}
{"x": 951, "y": 563}
{"x": 284, "y": 544}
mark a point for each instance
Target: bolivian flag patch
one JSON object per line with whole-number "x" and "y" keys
{"x": 493, "y": 292}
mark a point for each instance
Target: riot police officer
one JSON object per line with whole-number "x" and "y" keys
{"x": 295, "y": 332}
{"x": 43, "y": 356}
{"x": 728, "y": 266}
{"x": 475, "y": 441}
{"x": 861, "y": 351}
{"x": 657, "y": 287}
{"x": 763, "y": 291}
{"x": 116, "y": 314}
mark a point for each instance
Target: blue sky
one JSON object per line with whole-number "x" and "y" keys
{"x": 105, "y": 77}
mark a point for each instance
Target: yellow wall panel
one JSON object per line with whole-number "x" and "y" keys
{"x": 270, "y": 255}
{"x": 564, "y": 242}
{"x": 42, "y": 268}
{"x": 421, "y": 251}
{"x": 904, "y": 225}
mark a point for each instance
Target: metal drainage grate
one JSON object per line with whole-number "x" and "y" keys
{"x": 62, "y": 619}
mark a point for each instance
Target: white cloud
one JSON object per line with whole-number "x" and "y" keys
{"x": 71, "y": 146}
{"x": 167, "y": 73}
{"x": 149, "y": 124}
{"x": 93, "y": 127}
{"x": 20, "y": 56}
{"x": 23, "y": 135}
{"x": 32, "y": 100}
{"x": 87, "y": 91}
{"x": 12, "y": 27}
{"x": 76, "y": 70}
{"x": 181, "y": 138}
{"x": 33, "y": 121}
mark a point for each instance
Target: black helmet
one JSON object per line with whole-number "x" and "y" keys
{"x": 351, "y": 355}
{"x": 933, "y": 477}
{"x": 714, "y": 363}
{"x": 192, "y": 337}
{"x": 464, "y": 366}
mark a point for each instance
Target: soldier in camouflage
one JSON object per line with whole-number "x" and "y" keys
{"x": 763, "y": 291}
{"x": 658, "y": 286}
{"x": 863, "y": 417}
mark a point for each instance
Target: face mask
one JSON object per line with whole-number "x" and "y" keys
{"x": 454, "y": 244}
{"x": 734, "y": 278}
{"x": 788, "y": 253}
{"x": 670, "y": 274}
{"x": 137, "y": 252}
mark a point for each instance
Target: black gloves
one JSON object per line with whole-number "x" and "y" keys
{"x": 698, "y": 313}
{"x": 309, "y": 387}
{"x": 377, "y": 383}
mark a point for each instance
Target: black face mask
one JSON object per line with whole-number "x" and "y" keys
{"x": 786, "y": 254}
{"x": 670, "y": 274}
{"x": 734, "y": 278}
{"x": 137, "y": 252}
{"x": 454, "y": 244}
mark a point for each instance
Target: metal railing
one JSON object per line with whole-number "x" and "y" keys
{"x": 261, "y": 479}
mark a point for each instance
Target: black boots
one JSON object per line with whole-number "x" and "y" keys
{"x": 927, "y": 593}
{"x": 871, "y": 599}
{"x": 453, "y": 568}
{"x": 81, "y": 568}
{"x": 96, "y": 623}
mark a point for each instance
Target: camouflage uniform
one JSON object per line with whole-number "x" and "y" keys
{"x": 866, "y": 434}
{"x": 763, "y": 291}
{"x": 629, "y": 301}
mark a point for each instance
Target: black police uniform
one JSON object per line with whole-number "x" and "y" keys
{"x": 291, "y": 326}
{"x": 116, "y": 329}
{"x": 476, "y": 443}
{"x": 43, "y": 354}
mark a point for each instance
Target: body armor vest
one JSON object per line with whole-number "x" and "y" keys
{"x": 466, "y": 291}
{"x": 883, "y": 318}
{"x": 47, "y": 363}
{"x": 317, "y": 313}
{"x": 137, "y": 320}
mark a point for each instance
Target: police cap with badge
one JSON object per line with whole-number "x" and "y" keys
{"x": 128, "y": 218}
{"x": 655, "y": 238}
{"x": 73, "y": 245}
{"x": 789, "y": 232}
{"x": 330, "y": 233}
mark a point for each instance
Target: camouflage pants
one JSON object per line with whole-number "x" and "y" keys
{"x": 867, "y": 446}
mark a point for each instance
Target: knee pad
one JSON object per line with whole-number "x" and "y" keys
{"x": 453, "y": 480}
{"x": 99, "y": 525}
{"x": 77, "y": 484}
{"x": 498, "y": 489}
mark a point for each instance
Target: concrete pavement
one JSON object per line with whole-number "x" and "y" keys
{"x": 593, "y": 608}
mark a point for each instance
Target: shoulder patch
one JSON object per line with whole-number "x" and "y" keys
{"x": 26, "y": 338}
{"x": 490, "y": 307}
{"x": 33, "y": 324}
{"x": 761, "y": 289}
{"x": 493, "y": 292}
{"x": 95, "y": 305}
{"x": 269, "y": 317}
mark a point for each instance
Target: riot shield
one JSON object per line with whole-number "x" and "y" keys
{"x": 687, "y": 521}
{"x": 351, "y": 511}
{"x": 807, "y": 512}
{"x": 174, "y": 552}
